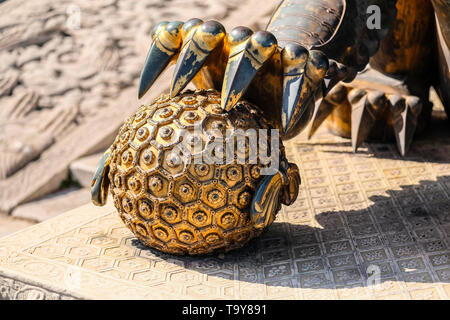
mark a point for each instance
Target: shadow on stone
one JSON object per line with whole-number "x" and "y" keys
{"x": 426, "y": 147}
{"x": 401, "y": 237}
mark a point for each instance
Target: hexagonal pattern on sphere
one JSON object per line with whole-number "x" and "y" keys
{"x": 169, "y": 199}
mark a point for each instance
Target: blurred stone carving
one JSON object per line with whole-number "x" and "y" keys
{"x": 56, "y": 79}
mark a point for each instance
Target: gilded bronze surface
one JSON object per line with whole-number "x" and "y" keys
{"x": 402, "y": 71}
{"x": 177, "y": 204}
{"x": 442, "y": 8}
{"x": 317, "y": 61}
{"x": 354, "y": 213}
{"x": 309, "y": 48}
{"x": 282, "y": 70}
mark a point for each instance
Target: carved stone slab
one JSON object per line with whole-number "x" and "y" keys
{"x": 82, "y": 170}
{"x": 370, "y": 225}
{"x": 69, "y": 74}
{"x": 44, "y": 176}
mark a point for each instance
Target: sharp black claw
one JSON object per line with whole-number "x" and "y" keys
{"x": 300, "y": 90}
{"x": 404, "y": 117}
{"x": 156, "y": 62}
{"x": 366, "y": 108}
{"x": 335, "y": 97}
{"x": 292, "y": 88}
{"x": 294, "y": 59}
{"x": 198, "y": 46}
{"x": 100, "y": 181}
{"x": 244, "y": 63}
{"x": 265, "y": 201}
{"x": 165, "y": 46}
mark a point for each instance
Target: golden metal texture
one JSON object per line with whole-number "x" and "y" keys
{"x": 302, "y": 68}
{"x": 179, "y": 205}
{"x": 354, "y": 213}
{"x": 407, "y": 53}
{"x": 309, "y": 47}
{"x": 408, "y": 49}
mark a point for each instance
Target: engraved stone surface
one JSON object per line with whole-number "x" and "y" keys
{"x": 370, "y": 225}
{"x": 68, "y": 76}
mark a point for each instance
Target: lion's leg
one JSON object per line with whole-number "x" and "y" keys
{"x": 442, "y": 9}
{"x": 373, "y": 107}
{"x": 389, "y": 100}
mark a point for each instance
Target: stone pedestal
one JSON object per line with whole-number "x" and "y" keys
{"x": 370, "y": 225}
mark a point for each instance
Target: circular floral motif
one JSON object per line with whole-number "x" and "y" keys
{"x": 155, "y": 184}
{"x": 186, "y": 236}
{"x": 200, "y": 218}
{"x": 228, "y": 220}
{"x": 127, "y": 205}
{"x": 127, "y": 158}
{"x": 141, "y": 230}
{"x": 142, "y": 133}
{"x": 170, "y": 214}
{"x": 124, "y": 137}
{"x": 165, "y": 112}
{"x": 186, "y": 191}
{"x": 189, "y": 100}
{"x": 214, "y": 98}
{"x": 193, "y": 140}
{"x": 145, "y": 209}
{"x": 163, "y": 98}
{"x": 212, "y": 238}
{"x": 117, "y": 180}
{"x": 234, "y": 174}
{"x": 255, "y": 172}
{"x": 215, "y": 197}
{"x": 173, "y": 160}
{"x": 161, "y": 233}
{"x": 166, "y": 132}
{"x": 244, "y": 199}
{"x": 191, "y": 116}
{"x": 140, "y": 116}
{"x": 148, "y": 157}
{"x": 134, "y": 184}
{"x": 201, "y": 170}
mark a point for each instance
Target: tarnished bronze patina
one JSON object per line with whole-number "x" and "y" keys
{"x": 193, "y": 202}
{"x": 317, "y": 61}
{"x": 399, "y": 76}
{"x": 307, "y": 48}
{"x": 302, "y": 69}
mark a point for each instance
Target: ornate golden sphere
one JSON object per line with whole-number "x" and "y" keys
{"x": 172, "y": 201}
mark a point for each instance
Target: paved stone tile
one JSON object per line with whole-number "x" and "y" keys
{"x": 357, "y": 231}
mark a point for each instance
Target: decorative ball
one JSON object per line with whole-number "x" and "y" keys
{"x": 168, "y": 183}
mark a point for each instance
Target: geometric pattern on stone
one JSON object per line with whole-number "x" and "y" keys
{"x": 354, "y": 212}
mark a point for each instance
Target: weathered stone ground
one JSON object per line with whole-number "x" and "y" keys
{"x": 64, "y": 91}
{"x": 370, "y": 225}
{"x": 68, "y": 79}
